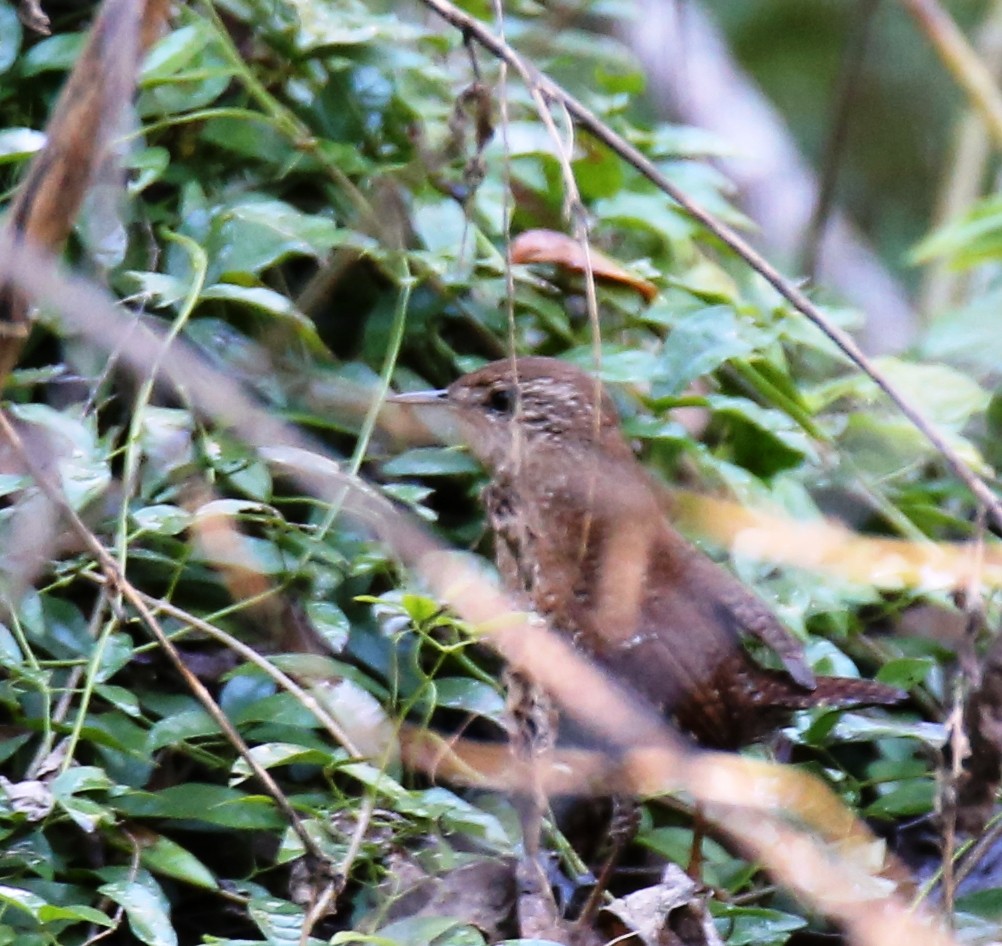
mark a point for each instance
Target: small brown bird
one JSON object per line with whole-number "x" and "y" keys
{"x": 581, "y": 529}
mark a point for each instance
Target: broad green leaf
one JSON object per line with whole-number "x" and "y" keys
{"x": 946, "y": 396}
{"x": 984, "y": 903}
{"x": 80, "y": 778}
{"x": 212, "y": 804}
{"x": 974, "y": 238}
{"x": 10, "y": 36}
{"x": 245, "y": 691}
{"x": 280, "y": 921}
{"x": 121, "y": 698}
{"x": 431, "y": 461}
{"x": 81, "y": 459}
{"x": 147, "y": 166}
{"x": 906, "y": 672}
{"x": 754, "y": 926}
{"x": 441, "y": 804}
{"x": 54, "y": 54}
{"x": 473, "y": 696}
{"x": 21, "y": 899}
{"x": 273, "y": 754}
{"x": 146, "y": 907}
{"x": 179, "y": 727}
{"x": 250, "y": 237}
{"x": 162, "y": 519}
{"x": 417, "y": 931}
{"x": 78, "y": 913}
{"x": 160, "y": 289}
{"x": 908, "y": 799}
{"x": 330, "y": 622}
{"x": 170, "y": 54}
{"x": 700, "y": 343}
{"x": 167, "y": 857}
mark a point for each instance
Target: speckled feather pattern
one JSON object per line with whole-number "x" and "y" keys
{"x": 581, "y": 531}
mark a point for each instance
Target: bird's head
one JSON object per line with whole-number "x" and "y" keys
{"x": 526, "y": 404}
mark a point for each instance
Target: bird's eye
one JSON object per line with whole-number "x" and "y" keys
{"x": 501, "y": 401}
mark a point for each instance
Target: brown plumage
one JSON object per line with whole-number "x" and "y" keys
{"x": 581, "y": 529}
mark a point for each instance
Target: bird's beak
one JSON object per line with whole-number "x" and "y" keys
{"x": 420, "y": 397}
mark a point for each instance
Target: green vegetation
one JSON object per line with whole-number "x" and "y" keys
{"x": 311, "y": 199}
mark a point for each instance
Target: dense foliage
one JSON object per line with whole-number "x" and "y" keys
{"x": 313, "y": 199}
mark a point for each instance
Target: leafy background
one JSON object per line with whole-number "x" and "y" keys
{"x": 304, "y": 201}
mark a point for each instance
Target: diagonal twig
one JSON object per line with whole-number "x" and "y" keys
{"x": 962, "y": 61}
{"x": 586, "y": 119}
{"x": 751, "y": 801}
{"x": 121, "y": 584}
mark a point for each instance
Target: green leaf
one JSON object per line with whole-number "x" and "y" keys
{"x": 21, "y": 899}
{"x": 146, "y": 166}
{"x": 330, "y": 622}
{"x": 280, "y": 921}
{"x": 972, "y": 239}
{"x": 212, "y": 804}
{"x": 472, "y": 696}
{"x": 54, "y": 54}
{"x": 946, "y": 396}
{"x": 417, "y": 931}
{"x": 80, "y": 778}
{"x": 250, "y": 237}
{"x": 10, "y": 36}
{"x": 164, "y": 856}
{"x": 431, "y": 461}
{"x": 145, "y": 905}
{"x": 78, "y": 913}
{"x": 162, "y": 519}
{"x": 906, "y": 672}
{"x": 121, "y": 698}
{"x": 180, "y": 727}
{"x": 272, "y": 754}
{"x": 909, "y": 798}
{"x": 82, "y": 462}
{"x": 270, "y": 303}
{"x": 701, "y": 342}
{"x": 754, "y": 926}
{"x": 440, "y": 803}
{"x": 984, "y": 903}
{"x": 174, "y": 51}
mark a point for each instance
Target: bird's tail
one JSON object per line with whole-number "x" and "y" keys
{"x": 846, "y": 691}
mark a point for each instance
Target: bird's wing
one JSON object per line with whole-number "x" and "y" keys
{"x": 750, "y": 614}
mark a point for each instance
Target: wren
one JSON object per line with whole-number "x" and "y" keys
{"x": 581, "y": 530}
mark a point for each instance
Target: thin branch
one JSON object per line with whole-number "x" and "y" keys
{"x": 843, "y": 100}
{"x": 943, "y": 286}
{"x": 538, "y": 82}
{"x": 120, "y": 584}
{"x": 838, "y": 880}
{"x": 962, "y": 62}
{"x": 282, "y": 679}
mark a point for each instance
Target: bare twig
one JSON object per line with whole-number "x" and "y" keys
{"x": 281, "y": 678}
{"x": 83, "y": 121}
{"x": 842, "y": 110}
{"x": 694, "y": 77}
{"x": 121, "y": 585}
{"x": 943, "y": 285}
{"x": 962, "y": 61}
{"x": 840, "y": 880}
{"x": 545, "y": 86}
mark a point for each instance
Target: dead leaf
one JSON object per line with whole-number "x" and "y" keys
{"x": 481, "y": 893}
{"x": 549, "y": 246}
{"x": 670, "y": 913}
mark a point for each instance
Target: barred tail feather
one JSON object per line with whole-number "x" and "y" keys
{"x": 847, "y": 691}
